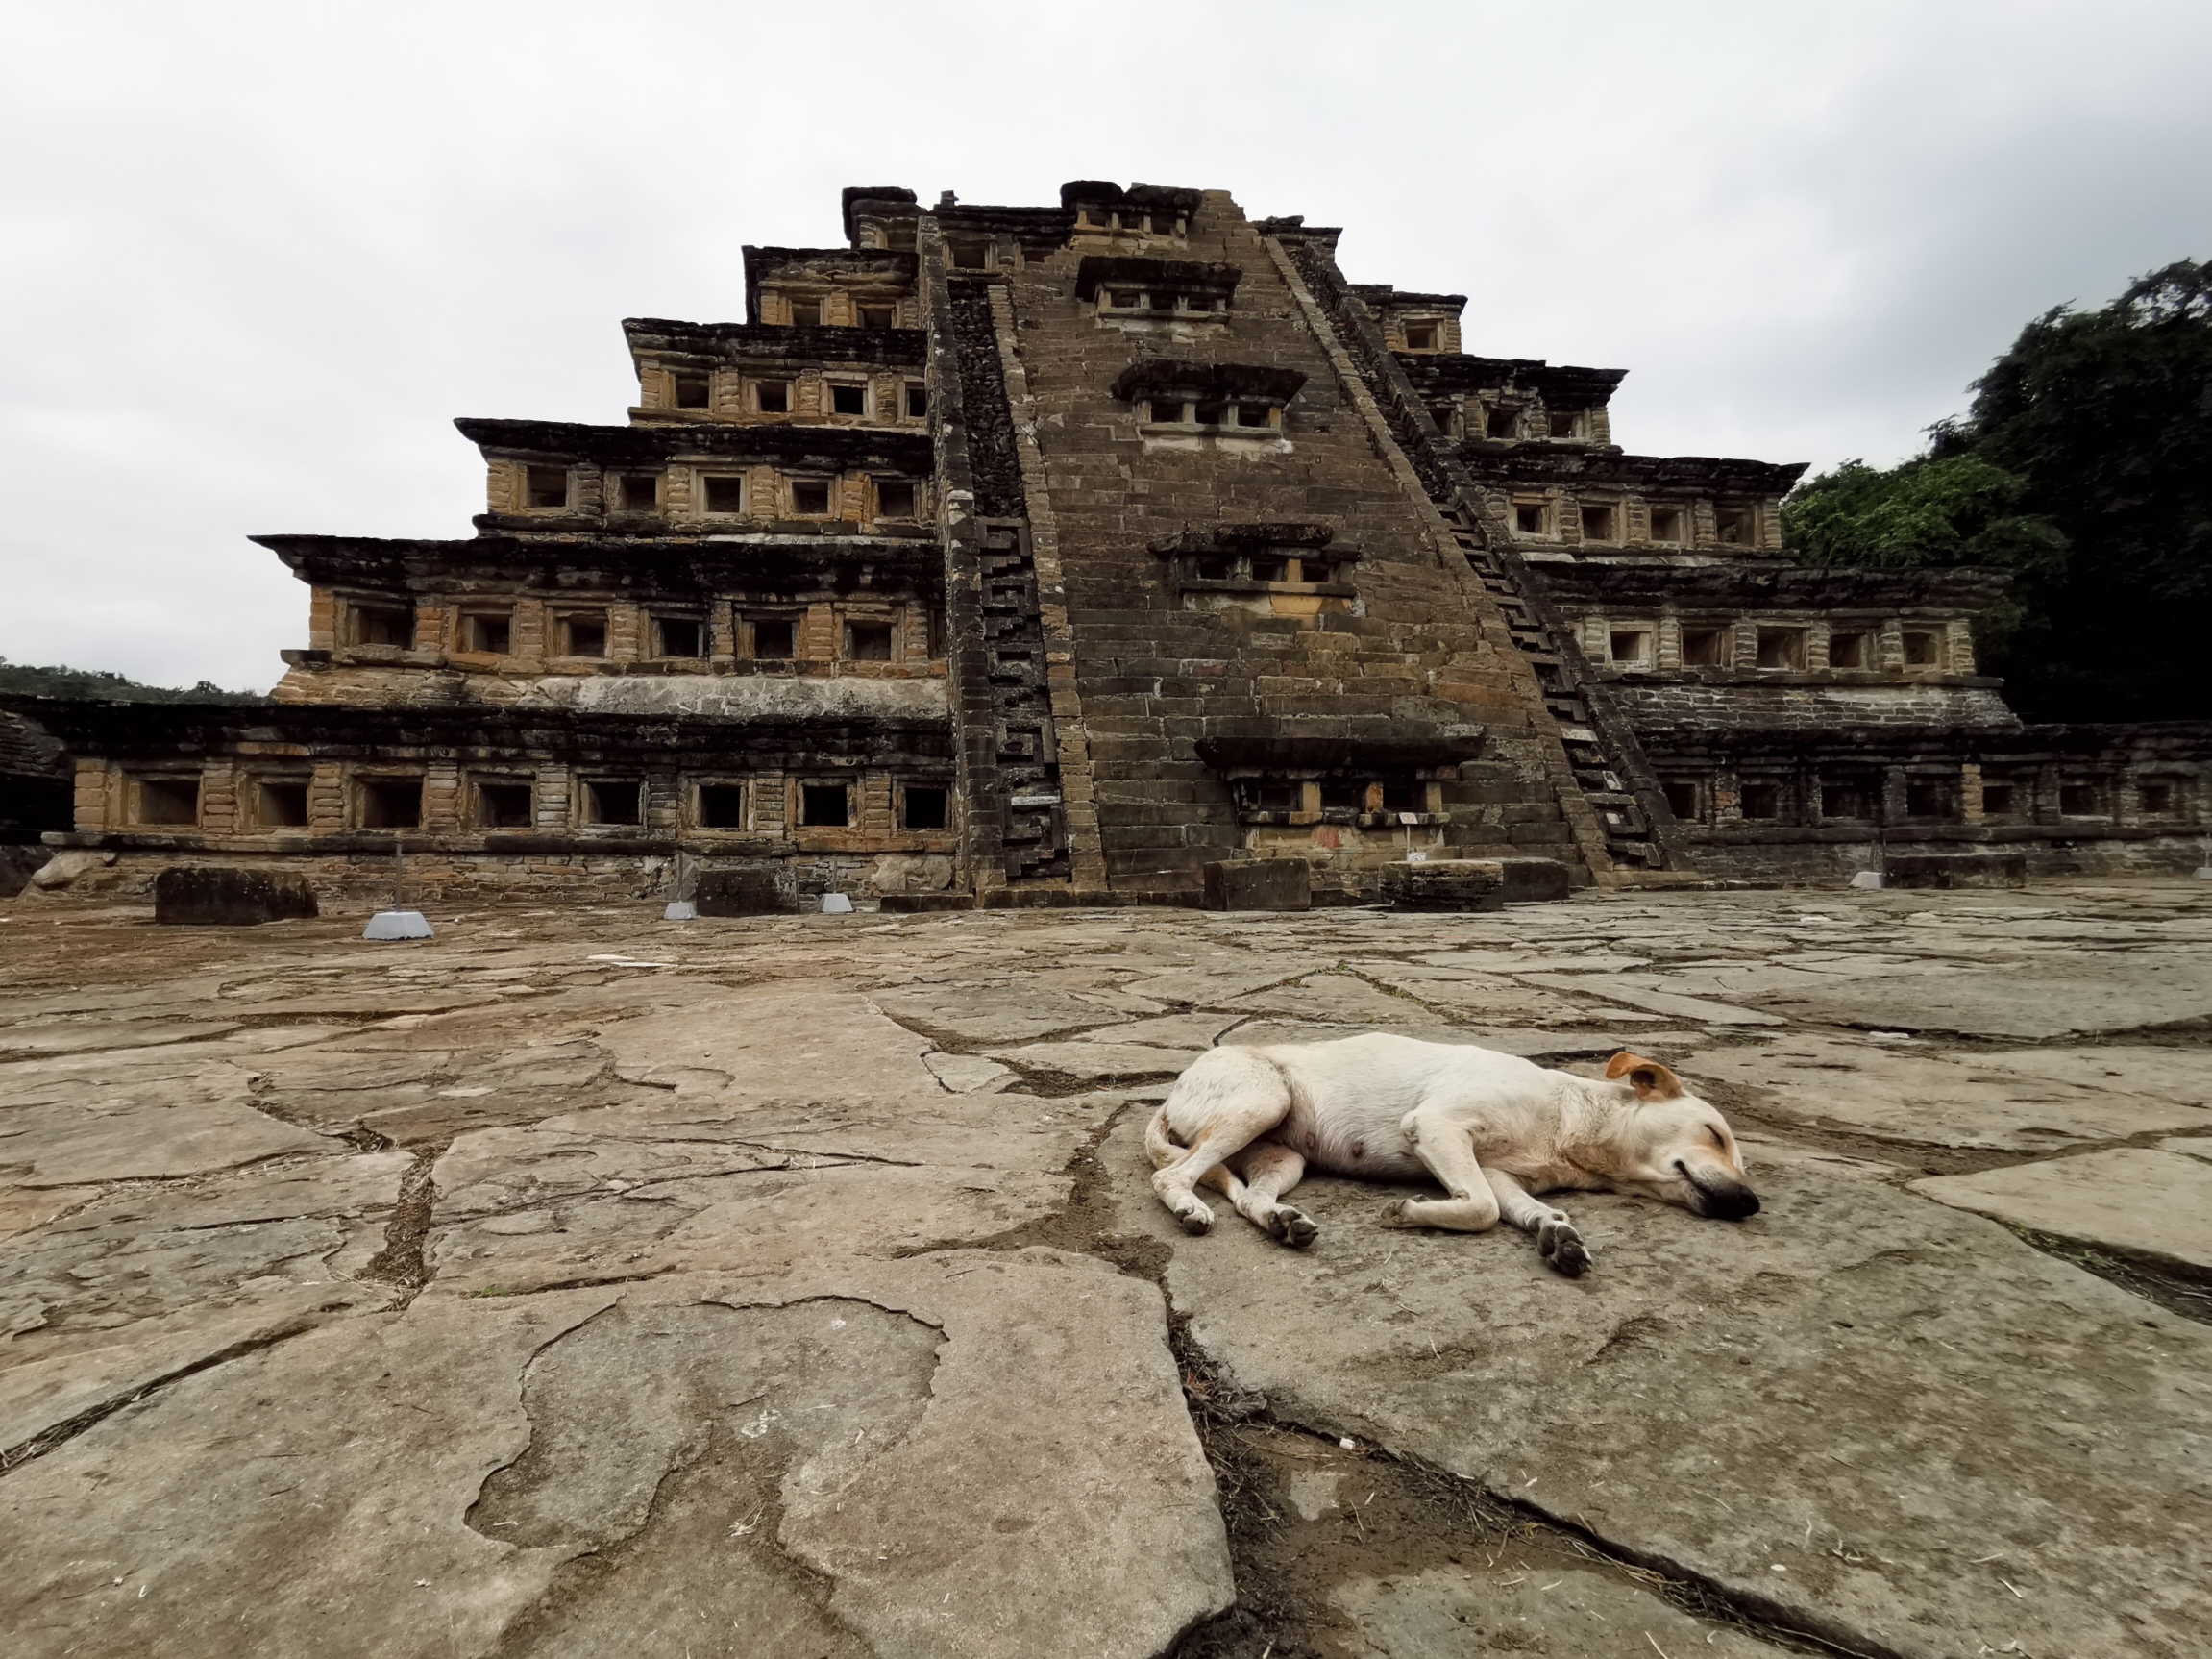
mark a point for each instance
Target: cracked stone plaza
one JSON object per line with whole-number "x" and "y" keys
{"x": 578, "y": 1283}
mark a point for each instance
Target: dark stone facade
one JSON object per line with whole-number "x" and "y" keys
{"x": 1047, "y": 554}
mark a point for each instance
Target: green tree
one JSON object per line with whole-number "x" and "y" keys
{"x": 1941, "y": 509}
{"x": 2084, "y": 467}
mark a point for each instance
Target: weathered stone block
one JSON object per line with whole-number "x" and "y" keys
{"x": 65, "y": 870}
{"x": 1955, "y": 870}
{"x": 216, "y": 896}
{"x": 1464, "y": 884}
{"x": 1533, "y": 880}
{"x": 751, "y": 890}
{"x": 919, "y": 904}
{"x": 896, "y": 873}
{"x": 1259, "y": 884}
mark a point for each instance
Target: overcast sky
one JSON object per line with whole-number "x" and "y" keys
{"x": 254, "y": 259}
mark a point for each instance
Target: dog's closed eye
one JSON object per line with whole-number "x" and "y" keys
{"x": 1719, "y": 1136}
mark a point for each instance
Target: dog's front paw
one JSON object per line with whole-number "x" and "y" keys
{"x": 1563, "y": 1249}
{"x": 1295, "y": 1228}
{"x": 1397, "y": 1214}
{"x": 1197, "y": 1219}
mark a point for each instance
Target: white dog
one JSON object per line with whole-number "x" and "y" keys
{"x": 1492, "y": 1128}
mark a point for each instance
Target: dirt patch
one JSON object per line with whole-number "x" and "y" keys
{"x": 401, "y": 1262}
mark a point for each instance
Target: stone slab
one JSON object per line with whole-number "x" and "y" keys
{"x": 1491, "y": 998}
{"x": 1166, "y": 1031}
{"x": 182, "y": 1123}
{"x": 2135, "y": 1200}
{"x": 1341, "y": 999}
{"x": 1903, "y": 1406}
{"x": 1099, "y": 1062}
{"x": 783, "y": 1040}
{"x": 2038, "y": 1001}
{"x": 1916, "y": 1094}
{"x": 130, "y": 1285}
{"x": 2182, "y": 1075}
{"x": 860, "y": 1459}
{"x": 993, "y": 1011}
{"x": 1226, "y": 976}
{"x": 104, "y": 1036}
{"x": 1635, "y": 992}
{"x": 786, "y": 1212}
{"x": 965, "y": 1073}
{"x": 1587, "y": 1614}
{"x": 49, "y": 1384}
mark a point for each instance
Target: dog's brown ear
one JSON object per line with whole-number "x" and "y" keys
{"x": 1651, "y": 1081}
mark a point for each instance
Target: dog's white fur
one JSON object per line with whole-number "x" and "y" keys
{"x": 1491, "y": 1129}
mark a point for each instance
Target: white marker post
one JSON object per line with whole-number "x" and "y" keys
{"x": 680, "y": 907}
{"x": 396, "y": 922}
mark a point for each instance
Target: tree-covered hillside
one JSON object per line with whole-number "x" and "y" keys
{"x": 25, "y": 680}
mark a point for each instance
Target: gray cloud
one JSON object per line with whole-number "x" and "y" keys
{"x": 256, "y": 257}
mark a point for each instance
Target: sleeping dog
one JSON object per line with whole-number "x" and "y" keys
{"x": 1491, "y": 1129}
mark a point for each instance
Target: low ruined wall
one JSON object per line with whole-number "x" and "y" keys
{"x": 363, "y": 882}
{"x": 1834, "y": 863}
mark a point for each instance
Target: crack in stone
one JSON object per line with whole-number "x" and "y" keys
{"x": 401, "y": 1262}
{"x": 660, "y": 1443}
{"x": 56, "y": 1435}
{"x": 1278, "y": 1611}
{"x": 2173, "y": 1286}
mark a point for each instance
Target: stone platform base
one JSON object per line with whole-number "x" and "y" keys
{"x": 214, "y": 895}
{"x": 1947, "y": 870}
{"x": 923, "y": 904}
{"x": 1262, "y": 884}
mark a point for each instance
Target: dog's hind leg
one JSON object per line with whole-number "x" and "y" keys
{"x": 1446, "y": 1147}
{"x": 1271, "y": 1168}
{"x": 1557, "y": 1241}
{"x": 1229, "y": 1098}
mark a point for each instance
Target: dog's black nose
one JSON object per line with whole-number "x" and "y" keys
{"x": 1732, "y": 1203}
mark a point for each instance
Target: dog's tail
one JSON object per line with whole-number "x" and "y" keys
{"x": 1159, "y": 1143}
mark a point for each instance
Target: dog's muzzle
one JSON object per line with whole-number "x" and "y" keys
{"x": 1718, "y": 1196}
